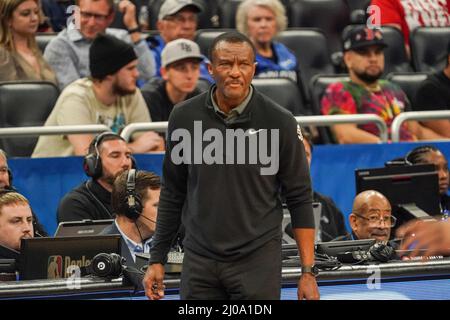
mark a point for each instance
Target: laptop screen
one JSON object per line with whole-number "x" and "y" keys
{"x": 53, "y": 258}
{"x": 82, "y": 228}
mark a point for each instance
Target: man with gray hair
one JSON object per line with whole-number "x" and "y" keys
{"x": 180, "y": 71}
{"x": 177, "y": 19}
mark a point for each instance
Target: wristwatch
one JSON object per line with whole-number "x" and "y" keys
{"x": 310, "y": 269}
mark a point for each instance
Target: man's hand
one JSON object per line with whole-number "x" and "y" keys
{"x": 425, "y": 237}
{"x": 147, "y": 142}
{"x": 129, "y": 14}
{"x": 153, "y": 282}
{"x": 307, "y": 287}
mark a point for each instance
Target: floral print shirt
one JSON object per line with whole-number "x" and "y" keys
{"x": 351, "y": 98}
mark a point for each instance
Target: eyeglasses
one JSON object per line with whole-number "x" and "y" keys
{"x": 97, "y": 17}
{"x": 389, "y": 221}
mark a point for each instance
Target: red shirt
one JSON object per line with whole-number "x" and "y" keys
{"x": 410, "y": 14}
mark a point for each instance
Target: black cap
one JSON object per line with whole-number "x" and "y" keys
{"x": 108, "y": 54}
{"x": 360, "y": 37}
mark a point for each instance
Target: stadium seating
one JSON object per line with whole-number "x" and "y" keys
{"x": 43, "y": 39}
{"x": 283, "y": 91}
{"x": 311, "y": 49}
{"x": 331, "y": 16}
{"x": 26, "y": 103}
{"x": 226, "y": 12}
{"x": 409, "y": 82}
{"x": 429, "y": 48}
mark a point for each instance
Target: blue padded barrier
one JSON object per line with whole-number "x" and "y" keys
{"x": 45, "y": 181}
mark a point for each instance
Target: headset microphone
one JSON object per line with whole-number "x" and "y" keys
{"x": 142, "y": 216}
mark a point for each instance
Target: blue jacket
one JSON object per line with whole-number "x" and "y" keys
{"x": 284, "y": 67}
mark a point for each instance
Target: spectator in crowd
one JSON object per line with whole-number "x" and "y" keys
{"x": 428, "y": 154}
{"x": 6, "y": 179}
{"x": 366, "y": 93}
{"x": 16, "y": 223}
{"x": 108, "y": 97}
{"x": 57, "y": 12}
{"x": 180, "y": 71}
{"x": 261, "y": 20}
{"x": 371, "y": 217}
{"x": 107, "y": 157}
{"x": 176, "y": 19}
{"x": 20, "y": 58}
{"x": 332, "y": 223}
{"x": 434, "y": 94}
{"x": 68, "y": 53}
{"x": 135, "y": 199}
{"x": 407, "y": 15}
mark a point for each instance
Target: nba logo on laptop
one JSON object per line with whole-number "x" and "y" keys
{"x": 55, "y": 267}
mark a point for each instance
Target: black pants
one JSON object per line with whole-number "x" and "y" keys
{"x": 257, "y": 276}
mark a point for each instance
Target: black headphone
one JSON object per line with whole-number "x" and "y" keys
{"x": 92, "y": 162}
{"x": 107, "y": 265}
{"x": 132, "y": 199}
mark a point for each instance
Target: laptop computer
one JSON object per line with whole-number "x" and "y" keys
{"x": 53, "y": 258}
{"x": 82, "y": 228}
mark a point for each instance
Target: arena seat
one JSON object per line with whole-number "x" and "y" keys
{"x": 429, "y": 48}
{"x": 358, "y": 10}
{"x": 43, "y": 39}
{"x": 283, "y": 91}
{"x": 409, "y": 82}
{"x": 311, "y": 50}
{"x": 226, "y": 12}
{"x": 25, "y": 104}
{"x": 331, "y": 16}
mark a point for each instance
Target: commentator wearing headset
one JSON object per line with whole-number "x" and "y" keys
{"x": 108, "y": 155}
{"x": 135, "y": 199}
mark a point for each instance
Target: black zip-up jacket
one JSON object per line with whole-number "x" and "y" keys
{"x": 229, "y": 210}
{"x": 87, "y": 201}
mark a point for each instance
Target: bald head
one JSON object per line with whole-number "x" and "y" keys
{"x": 362, "y": 200}
{"x": 370, "y": 206}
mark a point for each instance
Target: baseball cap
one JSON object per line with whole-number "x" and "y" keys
{"x": 180, "y": 49}
{"x": 170, "y": 7}
{"x": 360, "y": 37}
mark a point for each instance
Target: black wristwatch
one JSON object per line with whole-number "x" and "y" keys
{"x": 310, "y": 269}
{"x": 137, "y": 29}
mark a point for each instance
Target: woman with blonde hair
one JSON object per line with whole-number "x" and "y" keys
{"x": 261, "y": 20}
{"x": 20, "y": 57}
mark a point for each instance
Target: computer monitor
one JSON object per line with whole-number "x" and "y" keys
{"x": 52, "y": 258}
{"x": 334, "y": 248}
{"x": 82, "y": 228}
{"x": 412, "y": 190}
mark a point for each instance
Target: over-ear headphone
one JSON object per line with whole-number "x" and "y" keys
{"x": 107, "y": 265}
{"x": 92, "y": 162}
{"x": 133, "y": 200}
